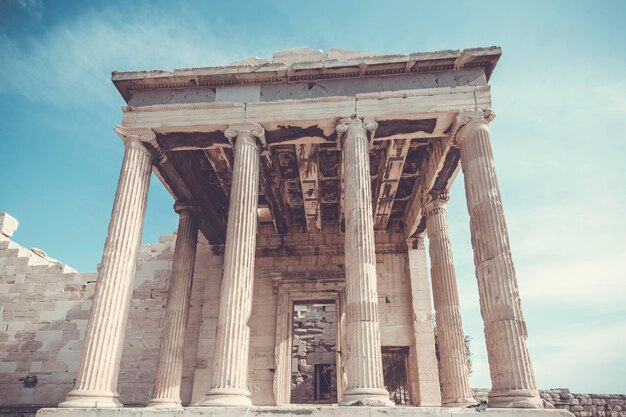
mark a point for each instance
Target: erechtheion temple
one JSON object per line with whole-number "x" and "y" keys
{"x": 305, "y": 187}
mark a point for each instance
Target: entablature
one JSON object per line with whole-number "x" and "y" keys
{"x": 308, "y": 73}
{"x": 412, "y": 151}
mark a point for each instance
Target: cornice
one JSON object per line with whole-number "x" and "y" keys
{"x": 184, "y": 106}
{"x": 308, "y": 71}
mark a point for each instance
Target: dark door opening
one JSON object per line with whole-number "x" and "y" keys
{"x": 395, "y": 373}
{"x": 314, "y": 353}
{"x": 324, "y": 373}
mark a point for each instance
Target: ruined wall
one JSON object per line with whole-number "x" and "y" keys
{"x": 43, "y": 317}
{"x": 44, "y": 309}
{"x": 581, "y": 405}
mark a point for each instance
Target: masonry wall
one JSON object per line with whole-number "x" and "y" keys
{"x": 44, "y": 309}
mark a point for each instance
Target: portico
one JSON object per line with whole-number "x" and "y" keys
{"x": 318, "y": 173}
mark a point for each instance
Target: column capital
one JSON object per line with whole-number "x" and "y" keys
{"x": 356, "y": 125}
{"x": 416, "y": 243}
{"x": 252, "y": 131}
{"x": 139, "y": 137}
{"x": 436, "y": 202}
{"x": 186, "y": 208}
{"x": 467, "y": 120}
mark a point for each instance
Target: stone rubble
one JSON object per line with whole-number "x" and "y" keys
{"x": 581, "y": 405}
{"x": 314, "y": 342}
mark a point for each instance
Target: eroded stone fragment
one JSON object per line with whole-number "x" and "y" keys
{"x": 8, "y": 224}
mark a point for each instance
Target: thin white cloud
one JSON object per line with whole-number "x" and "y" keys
{"x": 586, "y": 356}
{"x": 71, "y": 64}
{"x": 32, "y": 7}
{"x": 573, "y": 250}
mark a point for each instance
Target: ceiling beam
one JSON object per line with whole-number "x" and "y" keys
{"x": 431, "y": 166}
{"x": 211, "y": 213}
{"x": 389, "y": 174}
{"x": 222, "y": 165}
{"x": 308, "y": 164}
{"x": 269, "y": 185}
{"x": 177, "y": 187}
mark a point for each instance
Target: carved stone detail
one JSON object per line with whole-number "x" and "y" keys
{"x": 96, "y": 383}
{"x": 512, "y": 376}
{"x": 467, "y": 119}
{"x": 252, "y": 130}
{"x": 454, "y": 375}
{"x": 363, "y": 357}
{"x": 229, "y": 380}
{"x": 169, "y": 372}
{"x": 437, "y": 203}
{"x": 146, "y": 136}
{"x": 356, "y": 126}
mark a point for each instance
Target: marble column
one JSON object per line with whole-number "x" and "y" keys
{"x": 512, "y": 376}
{"x": 96, "y": 383}
{"x": 166, "y": 393}
{"x": 363, "y": 357}
{"x": 229, "y": 380}
{"x": 454, "y": 375}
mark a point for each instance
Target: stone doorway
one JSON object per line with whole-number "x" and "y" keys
{"x": 292, "y": 294}
{"x": 314, "y": 353}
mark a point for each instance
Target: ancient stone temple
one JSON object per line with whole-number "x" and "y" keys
{"x": 305, "y": 188}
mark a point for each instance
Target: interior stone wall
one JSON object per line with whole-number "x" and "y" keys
{"x": 298, "y": 260}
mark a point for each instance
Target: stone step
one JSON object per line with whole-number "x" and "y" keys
{"x": 300, "y": 410}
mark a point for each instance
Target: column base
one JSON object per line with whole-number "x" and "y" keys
{"x": 91, "y": 399}
{"x": 459, "y": 402}
{"x": 517, "y": 398}
{"x": 164, "y": 403}
{"x": 225, "y": 398}
{"x": 367, "y": 397}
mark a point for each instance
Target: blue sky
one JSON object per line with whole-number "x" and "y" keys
{"x": 559, "y": 93}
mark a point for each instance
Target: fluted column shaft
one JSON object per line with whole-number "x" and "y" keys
{"x": 96, "y": 383}
{"x": 169, "y": 372}
{"x": 229, "y": 380}
{"x": 454, "y": 375}
{"x": 512, "y": 376}
{"x": 364, "y": 362}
